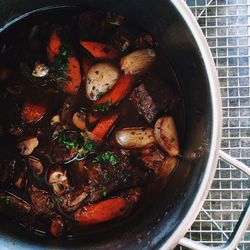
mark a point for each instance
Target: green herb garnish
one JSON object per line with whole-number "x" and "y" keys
{"x": 108, "y": 157}
{"x": 103, "y": 106}
{"x": 69, "y": 142}
{"x": 83, "y": 145}
{"x": 82, "y": 110}
{"x": 60, "y": 65}
{"x": 88, "y": 147}
{"x": 99, "y": 95}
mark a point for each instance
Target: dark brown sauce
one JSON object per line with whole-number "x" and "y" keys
{"x": 18, "y": 46}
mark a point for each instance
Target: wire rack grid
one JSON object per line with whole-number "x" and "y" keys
{"x": 226, "y": 26}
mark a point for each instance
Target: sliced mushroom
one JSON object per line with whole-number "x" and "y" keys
{"x": 135, "y": 138}
{"x": 55, "y": 120}
{"x": 35, "y": 164}
{"x": 138, "y": 61}
{"x": 79, "y": 120}
{"x": 166, "y": 135}
{"x": 57, "y": 177}
{"x": 21, "y": 180}
{"x": 27, "y": 145}
{"x": 57, "y": 227}
{"x": 40, "y": 70}
{"x": 12, "y": 205}
{"x": 57, "y": 174}
{"x": 100, "y": 79}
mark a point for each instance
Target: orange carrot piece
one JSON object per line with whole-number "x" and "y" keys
{"x": 53, "y": 47}
{"x": 32, "y": 112}
{"x": 101, "y": 212}
{"x": 100, "y": 50}
{"x": 93, "y": 118}
{"x": 104, "y": 125}
{"x": 73, "y": 77}
{"x": 118, "y": 92}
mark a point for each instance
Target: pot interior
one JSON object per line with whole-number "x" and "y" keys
{"x": 158, "y": 222}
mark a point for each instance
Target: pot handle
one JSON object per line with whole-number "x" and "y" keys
{"x": 241, "y": 225}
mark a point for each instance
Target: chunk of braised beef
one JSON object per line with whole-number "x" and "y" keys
{"x": 72, "y": 200}
{"x": 78, "y": 173}
{"x": 144, "y": 103}
{"x": 60, "y": 153}
{"x": 132, "y": 195}
{"x": 105, "y": 178}
{"x": 153, "y": 97}
{"x": 41, "y": 202}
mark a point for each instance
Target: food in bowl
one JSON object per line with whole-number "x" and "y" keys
{"x": 91, "y": 121}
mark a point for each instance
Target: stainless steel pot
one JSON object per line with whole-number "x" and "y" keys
{"x": 165, "y": 223}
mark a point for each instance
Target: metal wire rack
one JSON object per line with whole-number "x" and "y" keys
{"x": 226, "y": 26}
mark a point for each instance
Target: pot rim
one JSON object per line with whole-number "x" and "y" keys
{"x": 211, "y": 71}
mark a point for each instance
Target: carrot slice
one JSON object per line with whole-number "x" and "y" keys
{"x": 93, "y": 118}
{"x": 101, "y": 212}
{"x": 118, "y": 92}
{"x": 73, "y": 76}
{"x": 32, "y": 112}
{"x": 104, "y": 125}
{"x": 54, "y": 45}
{"x": 100, "y": 50}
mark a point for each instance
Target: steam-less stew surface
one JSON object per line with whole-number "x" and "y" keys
{"x": 89, "y": 114}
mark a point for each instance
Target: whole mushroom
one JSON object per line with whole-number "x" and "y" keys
{"x": 57, "y": 177}
{"x": 35, "y": 164}
{"x": 27, "y": 145}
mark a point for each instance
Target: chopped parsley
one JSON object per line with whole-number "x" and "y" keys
{"x": 83, "y": 145}
{"x": 108, "y": 157}
{"x": 69, "y": 141}
{"x": 103, "y": 106}
{"x": 60, "y": 65}
{"x": 82, "y": 110}
{"x": 99, "y": 95}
